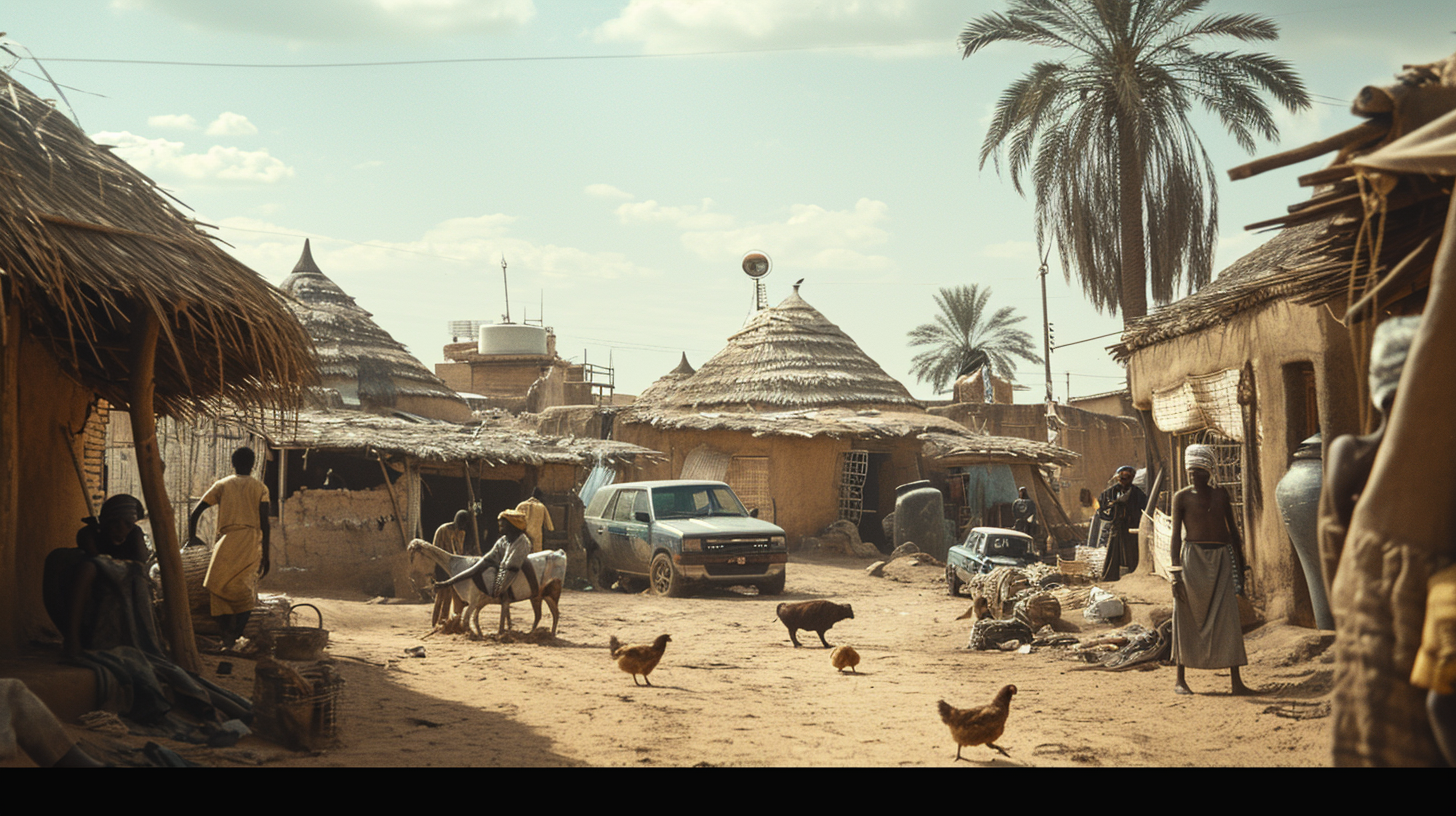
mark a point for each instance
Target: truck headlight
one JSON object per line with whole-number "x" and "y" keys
{"x": 692, "y": 545}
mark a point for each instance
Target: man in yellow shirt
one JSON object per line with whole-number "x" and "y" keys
{"x": 240, "y": 556}
{"x": 537, "y": 518}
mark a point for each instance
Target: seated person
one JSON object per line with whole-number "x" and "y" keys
{"x": 95, "y": 591}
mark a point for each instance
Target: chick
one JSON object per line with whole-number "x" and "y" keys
{"x": 844, "y": 657}
{"x": 640, "y": 658}
{"x": 981, "y": 725}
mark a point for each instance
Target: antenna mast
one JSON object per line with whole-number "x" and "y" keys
{"x": 507, "y": 284}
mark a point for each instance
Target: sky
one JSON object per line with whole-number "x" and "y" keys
{"x": 623, "y": 155}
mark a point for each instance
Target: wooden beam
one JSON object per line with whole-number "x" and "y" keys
{"x": 1360, "y": 134}
{"x": 142, "y": 387}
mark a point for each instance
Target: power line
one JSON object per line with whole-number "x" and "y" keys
{"x": 467, "y": 60}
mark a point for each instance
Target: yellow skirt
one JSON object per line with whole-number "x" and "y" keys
{"x": 232, "y": 575}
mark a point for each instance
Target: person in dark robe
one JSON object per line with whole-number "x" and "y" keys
{"x": 97, "y": 592}
{"x": 1023, "y": 511}
{"x": 1120, "y": 508}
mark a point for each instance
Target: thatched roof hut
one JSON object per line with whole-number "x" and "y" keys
{"x": 360, "y": 360}
{"x": 786, "y": 357}
{"x": 107, "y": 291}
{"x": 807, "y": 428}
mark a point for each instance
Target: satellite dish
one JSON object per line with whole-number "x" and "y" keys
{"x": 756, "y": 264}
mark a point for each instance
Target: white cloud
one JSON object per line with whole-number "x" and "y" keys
{"x": 231, "y": 124}
{"x": 1012, "y": 250}
{"x": 173, "y": 121}
{"x": 691, "y": 217}
{"x": 666, "y": 26}
{"x": 161, "y": 159}
{"x": 346, "y": 20}
{"x": 811, "y": 237}
{"x": 607, "y": 191}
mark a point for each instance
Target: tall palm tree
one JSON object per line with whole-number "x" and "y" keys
{"x": 965, "y": 337}
{"x": 1122, "y": 182}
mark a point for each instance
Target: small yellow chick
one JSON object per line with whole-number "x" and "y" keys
{"x": 844, "y": 657}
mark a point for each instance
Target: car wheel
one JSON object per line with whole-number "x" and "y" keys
{"x": 597, "y": 572}
{"x": 952, "y": 581}
{"x": 665, "y": 578}
{"x": 773, "y": 586}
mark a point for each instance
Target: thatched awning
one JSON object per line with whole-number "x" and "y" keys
{"x": 501, "y": 442}
{"x": 88, "y": 247}
{"x": 843, "y": 423}
{"x": 968, "y": 449}
{"x": 787, "y": 357}
{"x": 1275, "y": 270}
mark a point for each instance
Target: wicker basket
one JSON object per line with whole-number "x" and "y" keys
{"x": 299, "y": 642}
{"x": 297, "y": 705}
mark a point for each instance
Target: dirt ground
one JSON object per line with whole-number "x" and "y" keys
{"x": 732, "y": 691}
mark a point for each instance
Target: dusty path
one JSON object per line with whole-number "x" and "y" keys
{"x": 732, "y": 690}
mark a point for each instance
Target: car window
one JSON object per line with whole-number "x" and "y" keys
{"x": 689, "y": 501}
{"x": 626, "y": 505}
{"x": 1005, "y": 545}
{"x": 599, "y": 502}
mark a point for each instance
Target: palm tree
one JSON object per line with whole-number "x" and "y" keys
{"x": 962, "y": 339}
{"x": 1122, "y": 182}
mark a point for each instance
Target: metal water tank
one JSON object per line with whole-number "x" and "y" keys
{"x": 512, "y": 338}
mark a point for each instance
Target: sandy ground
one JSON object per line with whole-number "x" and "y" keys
{"x": 732, "y": 690}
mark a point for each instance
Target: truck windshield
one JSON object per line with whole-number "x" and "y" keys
{"x": 688, "y": 501}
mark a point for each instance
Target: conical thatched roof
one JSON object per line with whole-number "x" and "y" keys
{"x": 661, "y": 391}
{"x": 788, "y": 357}
{"x": 88, "y": 245}
{"x": 352, "y": 348}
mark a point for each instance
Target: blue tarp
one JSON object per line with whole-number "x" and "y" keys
{"x": 987, "y": 486}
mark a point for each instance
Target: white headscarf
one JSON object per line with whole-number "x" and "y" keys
{"x": 1199, "y": 456}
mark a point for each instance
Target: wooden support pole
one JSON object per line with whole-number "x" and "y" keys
{"x": 393, "y": 502}
{"x": 154, "y": 489}
{"x": 478, "y": 547}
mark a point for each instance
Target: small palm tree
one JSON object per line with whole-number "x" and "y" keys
{"x": 1122, "y": 181}
{"x": 963, "y": 338}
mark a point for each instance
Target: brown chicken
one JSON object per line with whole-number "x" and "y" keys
{"x": 638, "y": 659}
{"x": 981, "y": 725}
{"x": 844, "y": 657}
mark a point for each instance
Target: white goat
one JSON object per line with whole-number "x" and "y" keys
{"x": 550, "y": 568}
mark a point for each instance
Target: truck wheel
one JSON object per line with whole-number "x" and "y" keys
{"x": 665, "y": 578}
{"x": 596, "y": 570}
{"x": 952, "y": 581}
{"x": 773, "y": 586}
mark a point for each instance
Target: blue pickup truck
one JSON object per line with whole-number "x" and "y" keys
{"x": 679, "y": 534}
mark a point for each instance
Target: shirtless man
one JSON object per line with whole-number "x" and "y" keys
{"x": 1206, "y": 631}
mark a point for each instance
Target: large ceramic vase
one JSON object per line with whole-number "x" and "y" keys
{"x": 1298, "y": 499}
{"x": 920, "y": 517}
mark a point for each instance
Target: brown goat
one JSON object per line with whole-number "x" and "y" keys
{"x": 812, "y": 616}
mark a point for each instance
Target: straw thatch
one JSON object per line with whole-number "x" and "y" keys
{"x": 787, "y": 357}
{"x": 88, "y": 246}
{"x": 948, "y": 448}
{"x": 1350, "y": 253}
{"x": 1270, "y": 272}
{"x": 495, "y": 442}
{"x": 352, "y": 348}
{"x": 661, "y": 391}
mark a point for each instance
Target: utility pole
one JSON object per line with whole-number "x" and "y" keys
{"x": 1046, "y": 338}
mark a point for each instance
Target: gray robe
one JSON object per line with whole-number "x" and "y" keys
{"x": 1206, "y": 631}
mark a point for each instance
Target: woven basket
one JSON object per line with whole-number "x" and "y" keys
{"x": 299, "y": 642}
